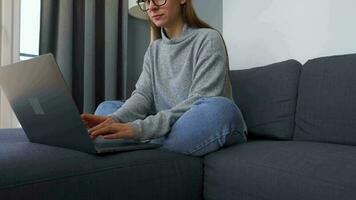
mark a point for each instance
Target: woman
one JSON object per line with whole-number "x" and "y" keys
{"x": 183, "y": 96}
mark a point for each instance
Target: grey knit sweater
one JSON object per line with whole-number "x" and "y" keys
{"x": 176, "y": 73}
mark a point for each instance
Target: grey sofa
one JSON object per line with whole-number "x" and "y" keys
{"x": 302, "y": 137}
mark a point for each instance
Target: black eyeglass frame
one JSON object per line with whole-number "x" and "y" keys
{"x": 154, "y": 2}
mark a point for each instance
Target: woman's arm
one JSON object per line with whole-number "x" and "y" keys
{"x": 141, "y": 101}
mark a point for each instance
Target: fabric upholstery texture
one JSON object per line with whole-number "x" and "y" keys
{"x": 273, "y": 170}
{"x": 36, "y": 171}
{"x": 267, "y": 98}
{"x": 326, "y": 110}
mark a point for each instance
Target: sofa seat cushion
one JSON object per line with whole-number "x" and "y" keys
{"x": 36, "y": 171}
{"x": 270, "y": 170}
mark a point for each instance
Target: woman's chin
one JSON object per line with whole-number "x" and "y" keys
{"x": 158, "y": 23}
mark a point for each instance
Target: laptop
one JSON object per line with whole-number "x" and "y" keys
{"x": 44, "y": 106}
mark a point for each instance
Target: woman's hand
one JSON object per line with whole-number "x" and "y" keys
{"x": 91, "y": 121}
{"x": 107, "y": 127}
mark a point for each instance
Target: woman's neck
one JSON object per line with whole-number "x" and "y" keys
{"x": 175, "y": 30}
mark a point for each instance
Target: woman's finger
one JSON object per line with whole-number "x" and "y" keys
{"x": 103, "y": 130}
{"x": 86, "y": 124}
{"x": 93, "y": 118}
{"x": 86, "y": 117}
{"x": 99, "y": 126}
{"x": 116, "y": 135}
{"x": 89, "y": 120}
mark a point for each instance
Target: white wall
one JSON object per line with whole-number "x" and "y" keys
{"x": 259, "y": 32}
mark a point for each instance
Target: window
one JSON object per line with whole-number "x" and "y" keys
{"x": 19, "y": 39}
{"x": 9, "y": 52}
{"x": 30, "y": 28}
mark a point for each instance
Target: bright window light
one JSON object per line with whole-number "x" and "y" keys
{"x": 30, "y": 28}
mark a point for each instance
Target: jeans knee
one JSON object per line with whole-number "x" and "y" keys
{"x": 220, "y": 106}
{"x": 226, "y": 111}
{"x": 211, "y": 123}
{"x": 217, "y": 101}
{"x": 107, "y": 107}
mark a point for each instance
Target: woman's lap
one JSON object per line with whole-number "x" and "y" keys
{"x": 210, "y": 124}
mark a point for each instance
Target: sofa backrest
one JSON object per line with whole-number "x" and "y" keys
{"x": 267, "y": 98}
{"x": 326, "y": 108}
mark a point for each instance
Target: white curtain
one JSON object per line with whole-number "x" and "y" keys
{"x": 9, "y": 52}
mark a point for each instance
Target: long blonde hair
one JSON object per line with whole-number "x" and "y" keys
{"x": 189, "y": 17}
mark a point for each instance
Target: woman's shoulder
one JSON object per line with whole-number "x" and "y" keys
{"x": 153, "y": 45}
{"x": 209, "y": 33}
{"x": 210, "y": 37}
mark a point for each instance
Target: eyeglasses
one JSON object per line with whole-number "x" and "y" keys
{"x": 145, "y": 4}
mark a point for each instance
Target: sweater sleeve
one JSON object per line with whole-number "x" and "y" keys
{"x": 208, "y": 79}
{"x": 141, "y": 100}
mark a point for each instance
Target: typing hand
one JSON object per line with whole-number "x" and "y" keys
{"x": 110, "y": 129}
{"x": 91, "y": 121}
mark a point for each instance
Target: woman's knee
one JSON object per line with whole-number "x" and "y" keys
{"x": 108, "y": 107}
{"x": 225, "y": 109}
{"x": 211, "y": 123}
{"x": 229, "y": 114}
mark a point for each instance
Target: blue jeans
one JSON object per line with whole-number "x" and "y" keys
{"x": 211, "y": 123}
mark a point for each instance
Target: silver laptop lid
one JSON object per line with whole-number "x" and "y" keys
{"x": 43, "y": 104}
